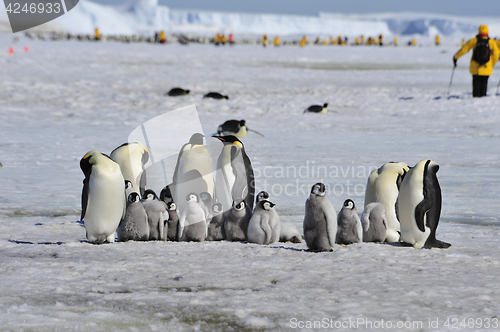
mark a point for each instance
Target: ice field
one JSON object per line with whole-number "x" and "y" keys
{"x": 62, "y": 99}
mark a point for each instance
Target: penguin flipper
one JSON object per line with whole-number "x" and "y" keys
{"x": 85, "y": 197}
{"x": 264, "y": 225}
{"x": 421, "y": 209}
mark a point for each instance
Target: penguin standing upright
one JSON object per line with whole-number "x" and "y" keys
{"x": 192, "y": 222}
{"x": 173, "y": 221}
{"x": 349, "y": 229}
{"x": 157, "y": 214}
{"x": 103, "y": 197}
{"x": 134, "y": 226}
{"x": 132, "y": 157}
{"x": 320, "y": 220}
{"x": 264, "y": 225}
{"x": 234, "y": 174}
{"x": 193, "y": 171}
{"x": 419, "y": 206}
{"x": 374, "y": 223}
{"x": 216, "y": 226}
{"x": 128, "y": 188}
{"x": 236, "y": 221}
{"x": 383, "y": 187}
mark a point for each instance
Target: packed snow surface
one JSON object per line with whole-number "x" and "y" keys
{"x": 62, "y": 99}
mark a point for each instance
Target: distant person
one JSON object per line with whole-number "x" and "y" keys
{"x": 395, "y": 41}
{"x": 277, "y": 41}
{"x": 223, "y": 39}
{"x": 217, "y": 39}
{"x": 484, "y": 57}
{"x": 163, "y": 38}
{"x": 362, "y": 40}
{"x": 438, "y": 40}
{"x": 264, "y": 40}
{"x": 231, "y": 39}
{"x": 381, "y": 40}
{"x": 97, "y": 35}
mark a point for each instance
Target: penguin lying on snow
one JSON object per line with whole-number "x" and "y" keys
{"x": 349, "y": 228}
{"x": 320, "y": 220}
{"x": 237, "y": 128}
{"x": 317, "y": 109}
{"x": 419, "y": 206}
{"x": 175, "y": 92}
{"x": 103, "y": 197}
{"x": 215, "y": 95}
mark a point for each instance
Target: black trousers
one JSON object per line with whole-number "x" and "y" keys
{"x": 479, "y": 85}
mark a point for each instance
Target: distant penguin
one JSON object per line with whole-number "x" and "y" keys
{"x": 192, "y": 222}
{"x": 103, "y": 197}
{"x": 419, "y": 206}
{"x": 234, "y": 174}
{"x": 173, "y": 221}
{"x": 193, "y": 171}
{"x": 374, "y": 223}
{"x": 132, "y": 157}
{"x": 383, "y": 187}
{"x": 134, "y": 226}
{"x": 264, "y": 226}
{"x": 289, "y": 233}
{"x": 175, "y": 92}
{"x": 236, "y": 221}
{"x": 215, "y": 95}
{"x": 157, "y": 214}
{"x": 263, "y": 195}
{"x": 317, "y": 109}
{"x": 128, "y": 188}
{"x": 349, "y": 229}
{"x": 236, "y": 128}
{"x": 216, "y": 226}
{"x": 320, "y": 220}
{"x": 166, "y": 195}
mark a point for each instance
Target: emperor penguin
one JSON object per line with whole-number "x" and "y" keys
{"x": 134, "y": 226}
{"x": 263, "y": 195}
{"x": 173, "y": 221}
{"x": 128, "y": 188}
{"x": 132, "y": 157}
{"x": 103, "y": 197}
{"x": 192, "y": 222}
{"x": 289, "y": 233}
{"x": 236, "y": 221}
{"x": 206, "y": 203}
{"x": 215, "y": 95}
{"x": 157, "y": 214}
{"x": 236, "y": 128}
{"x": 234, "y": 174}
{"x": 349, "y": 229}
{"x": 175, "y": 92}
{"x": 374, "y": 223}
{"x": 166, "y": 195}
{"x": 264, "y": 226}
{"x": 216, "y": 226}
{"x": 320, "y": 220}
{"x": 317, "y": 109}
{"x": 193, "y": 171}
{"x": 383, "y": 187}
{"x": 419, "y": 206}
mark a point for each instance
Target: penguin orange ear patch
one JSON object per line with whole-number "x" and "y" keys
{"x": 26, "y": 14}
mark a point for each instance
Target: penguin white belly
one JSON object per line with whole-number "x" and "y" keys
{"x": 105, "y": 207}
{"x": 410, "y": 195}
{"x": 131, "y": 171}
{"x": 224, "y": 179}
{"x": 259, "y": 230}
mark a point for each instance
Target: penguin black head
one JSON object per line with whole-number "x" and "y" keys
{"x": 186, "y": 92}
{"x": 229, "y": 140}
{"x": 266, "y": 205}
{"x": 88, "y": 160}
{"x": 205, "y": 196}
{"x": 166, "y": 194}
{"x": 349, "y": 204}
{"x": 149, "y": 195}
{"x": 263, "y": 195}
{"x": 128, "y": 184}
{"x": 171, "y": 206}
{"x": 196, "y": 139}
{"x": 242, "y": 123}
{"x": 239, "y": 206}
{"x": 217, "y": 208}
{"x": 192, "y": 197}
{"x": 325, "y": 105}
{"x": 134, "y": 197}
{"x": 318, "y": 189}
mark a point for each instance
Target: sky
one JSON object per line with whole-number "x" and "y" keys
{"x": 313, "y": 7}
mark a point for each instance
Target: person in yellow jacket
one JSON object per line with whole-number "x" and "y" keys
{"x": 97, "y": 35}
{"x": 484, "y": 57}
{"x": 438, "y": 40}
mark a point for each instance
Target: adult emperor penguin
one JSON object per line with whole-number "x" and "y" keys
{"x": 157, "y": 214}
{"x": 192, "y": 222}
{"x": 216, "y": 226}
{"x": 264, "y": 226}
{"x": 383, "y": 187}
{"x": 193, "y": 171}
{"x": 132, "y": 157}
{"x": 236, "y": 221}
{"x": 103, "y": 197}
{"x": 173, "y": 221}
{"x": 349, "y": 229}
{"x": 320, "y": 220}
{"x": 234, "y": 174}
{"x": 419, "y": 206}
{"x": 236, "y": 128}
{"x": 374, "y": 223}
{"x": 134, "y": 226}
{"x": 215, "y": 95}
{"x": 317, "y": 109}
{"x": 175, "y": 92}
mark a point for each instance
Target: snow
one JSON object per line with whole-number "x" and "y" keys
{"x": 62, "y": 99}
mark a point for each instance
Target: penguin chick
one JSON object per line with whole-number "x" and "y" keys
{"x": 236, "y": 221}
{"x": 216, "y": 226}
{"x": 157, "y": 213}
{"x": 264, "y": 225}
{"x": 134, "y": 226}
{"x": 349, "y": 229}
{"x": 289, "y": 233}
{"x": 192, "y": 222}
{"x": 374, "y": 223}
{"x": 173, "y": 221}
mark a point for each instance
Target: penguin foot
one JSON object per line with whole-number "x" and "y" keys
{"x": 437, "y": 244}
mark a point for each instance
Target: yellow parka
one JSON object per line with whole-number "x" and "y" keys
{"x": 475, "y": 68}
